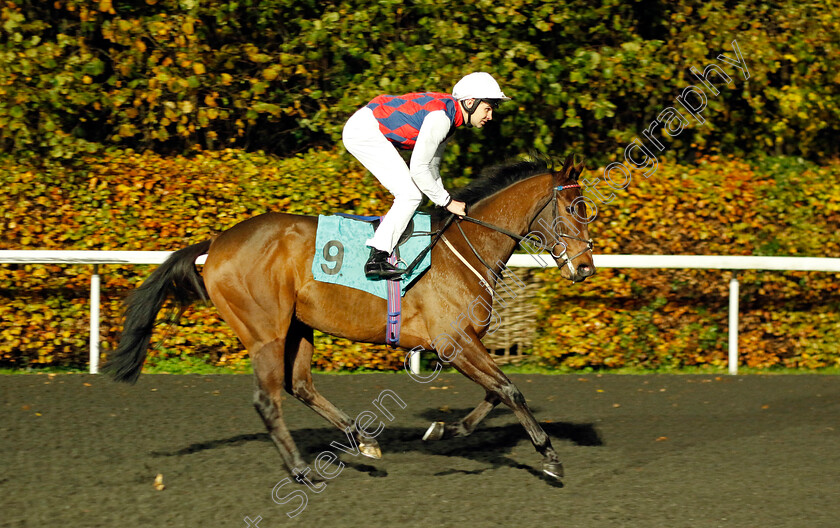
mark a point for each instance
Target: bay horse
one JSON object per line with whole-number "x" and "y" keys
{"x": 258, "y": 275}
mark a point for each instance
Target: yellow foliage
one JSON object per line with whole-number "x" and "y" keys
{"x": 650, "y": 318}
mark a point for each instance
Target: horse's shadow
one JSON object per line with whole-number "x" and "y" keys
{"x": 488, "y": 445}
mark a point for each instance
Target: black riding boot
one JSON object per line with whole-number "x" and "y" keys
{"x": 377, "y": 267}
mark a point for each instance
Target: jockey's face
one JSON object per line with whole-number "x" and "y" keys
{"x": 482, "y": 114}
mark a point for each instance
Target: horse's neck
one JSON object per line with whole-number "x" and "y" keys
{"x": 513, "y": 209}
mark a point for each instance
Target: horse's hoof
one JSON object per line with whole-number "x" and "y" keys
{"x": 434, "y": 432}
{"x": 553, "y": 469}
{"x": 370, "y": 451}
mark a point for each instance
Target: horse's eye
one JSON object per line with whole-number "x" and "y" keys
{"x": 569, "y": 209}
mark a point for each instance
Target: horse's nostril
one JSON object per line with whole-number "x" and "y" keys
{"x": 584, "y": 270}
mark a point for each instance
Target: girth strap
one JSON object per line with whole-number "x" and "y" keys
{"x": 392, "y": 327}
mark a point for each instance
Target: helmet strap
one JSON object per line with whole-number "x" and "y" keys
{"x": 470, "y": 110}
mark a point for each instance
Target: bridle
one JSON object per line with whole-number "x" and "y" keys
{"x": 566, "y": 260}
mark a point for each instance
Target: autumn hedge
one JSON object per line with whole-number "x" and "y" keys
{"x": 652, "y": 318}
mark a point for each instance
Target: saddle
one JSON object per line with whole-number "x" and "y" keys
{"x": 376, "y": 220}
{"x": 341, "y": 253}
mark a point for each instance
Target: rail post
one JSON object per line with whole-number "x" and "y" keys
{"x": 94, "y": 320}
{"x": 733, "y": 324}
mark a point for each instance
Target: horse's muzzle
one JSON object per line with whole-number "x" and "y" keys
{"x": 582, "y": 272}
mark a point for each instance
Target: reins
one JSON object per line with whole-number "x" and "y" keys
{"x": 438, "y": 234}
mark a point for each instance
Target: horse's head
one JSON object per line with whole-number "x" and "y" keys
{"x": 562, "y": 224}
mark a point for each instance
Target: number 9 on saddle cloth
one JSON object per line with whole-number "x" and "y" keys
{"x": 340, "y": 251}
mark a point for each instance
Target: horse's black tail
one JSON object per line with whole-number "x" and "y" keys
{"x": 177, "y": 276}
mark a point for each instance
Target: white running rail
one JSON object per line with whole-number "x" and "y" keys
{"x": 720, "y": 262}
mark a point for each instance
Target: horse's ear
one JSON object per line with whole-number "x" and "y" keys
{"x": 563, "y": 173}
{"x": 571, "y": 168}
{"x": 578, "y": 169}
{"x": 568, "y": 162}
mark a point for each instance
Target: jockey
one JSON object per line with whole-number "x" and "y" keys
{"x": 423, "y": 123}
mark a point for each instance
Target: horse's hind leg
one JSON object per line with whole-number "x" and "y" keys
{"x": 268, "y": 370}
{"x": 264, "y": 337}
{"x": 299, "y": 384}
{"x": 466, "y": 426}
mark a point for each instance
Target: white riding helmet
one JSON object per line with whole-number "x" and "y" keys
{"x": 478, "y": 85}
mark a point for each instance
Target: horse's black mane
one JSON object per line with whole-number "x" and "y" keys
{"x": 494, "y": 179}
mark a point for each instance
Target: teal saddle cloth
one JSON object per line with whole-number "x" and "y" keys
{"x": 341, "y": 253}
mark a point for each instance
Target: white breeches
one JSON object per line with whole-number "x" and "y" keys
{"x": 365, "y": 141}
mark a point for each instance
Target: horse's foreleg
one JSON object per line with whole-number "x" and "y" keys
{"x": 268, "y": 369}
{"x": 299, "y": 384}
{"x": 474, "y": 362}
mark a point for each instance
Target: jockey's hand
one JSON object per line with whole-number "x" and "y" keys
{"x": 458, "y": 208}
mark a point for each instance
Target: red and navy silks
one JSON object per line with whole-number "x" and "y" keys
{"x": 401, "y": 116}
